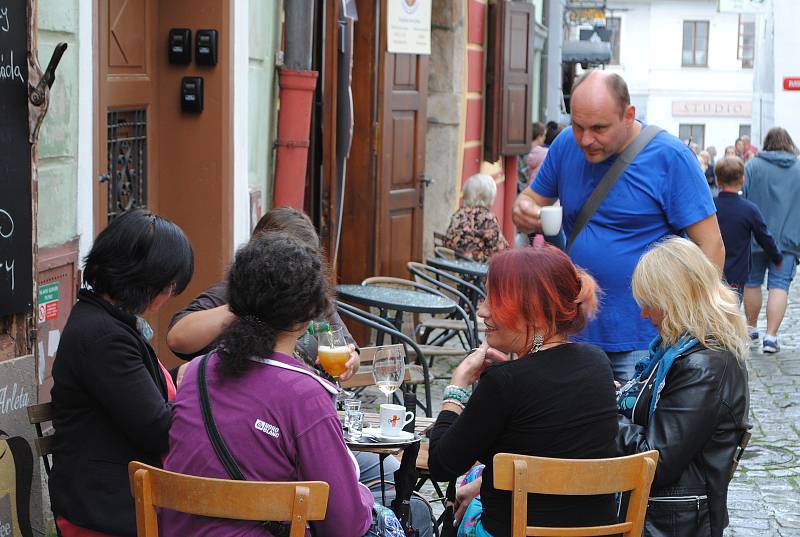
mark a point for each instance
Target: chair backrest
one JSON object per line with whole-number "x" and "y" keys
{"x": 297, "y": 502}
{"x": 444, "y": 252}
{"x": 525, "y": 475}
{"x": 37, "y": 415}
{"x": 382, "y": 326}
{"x": 432, "y": 276}
{"x": 439, "y": 238}
{"x": 398, "y": 283}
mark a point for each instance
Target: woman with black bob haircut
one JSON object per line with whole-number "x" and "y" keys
{"x": 110, "y": 392}
{"x": 276, "y": 416}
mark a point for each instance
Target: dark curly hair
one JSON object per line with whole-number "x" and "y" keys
{"x": 275, "y": 283}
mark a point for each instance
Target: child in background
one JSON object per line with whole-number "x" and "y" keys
{"x": 739, "y": 220}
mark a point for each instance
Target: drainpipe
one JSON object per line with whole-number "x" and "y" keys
{"x": 297, "y": 83}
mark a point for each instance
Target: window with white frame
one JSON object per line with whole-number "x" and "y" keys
{"x": 695, "y": 44}
{"x": 689, "y": 132}
{"x": 746, "y": 46}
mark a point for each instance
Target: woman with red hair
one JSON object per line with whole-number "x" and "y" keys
{"x": 555, "y": 400}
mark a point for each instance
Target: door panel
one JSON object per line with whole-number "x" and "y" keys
{"x": 404, "y": 113}
{"x": 126, "y": 152}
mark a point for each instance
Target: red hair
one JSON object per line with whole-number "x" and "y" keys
{"x": 540, "y": 289}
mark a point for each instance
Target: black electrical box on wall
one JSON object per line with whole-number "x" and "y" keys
{"x": 192, "y": 94}
{"x": 180, "y": 46}
{"x": 205, "y": 52}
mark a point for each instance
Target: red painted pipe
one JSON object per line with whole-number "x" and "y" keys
{"x": 509, "y": 195}
{"x": 294, "y": 120}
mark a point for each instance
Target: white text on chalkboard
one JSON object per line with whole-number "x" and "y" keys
{"x": 6, "y": 231}
{"x": 9, "y": 70}
{"x": 5, "y": 24}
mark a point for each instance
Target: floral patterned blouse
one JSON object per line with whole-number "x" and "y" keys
{"x": 475, "y": 230}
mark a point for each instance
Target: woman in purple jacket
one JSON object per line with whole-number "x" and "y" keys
{"x": 276, "y": 416}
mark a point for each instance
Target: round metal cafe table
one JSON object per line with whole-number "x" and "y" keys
{"x": 388, "y": 299}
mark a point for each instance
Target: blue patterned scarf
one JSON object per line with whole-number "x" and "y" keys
{"x": 659, "y": 355}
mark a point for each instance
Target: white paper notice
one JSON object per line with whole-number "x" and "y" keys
{"x": 53, "y": 337}
{"x": 409, "y": 26}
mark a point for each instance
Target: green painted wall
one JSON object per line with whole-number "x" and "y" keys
{"x": 264, "y": 41}
{"x": 58, "y": 138}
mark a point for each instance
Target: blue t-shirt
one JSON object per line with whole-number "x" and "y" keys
{"x": 661, "y": 192}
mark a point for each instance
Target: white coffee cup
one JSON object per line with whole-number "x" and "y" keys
{"x": 550, "y": 218}
{"x": 394, "y": 418}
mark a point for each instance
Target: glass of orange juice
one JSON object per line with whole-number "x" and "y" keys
{"x": 334, "y": 353}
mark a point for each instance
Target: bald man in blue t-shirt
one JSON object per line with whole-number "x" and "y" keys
{"x": 662, "y": 192}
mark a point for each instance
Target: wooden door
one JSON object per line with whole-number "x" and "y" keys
{"x": 402, "y": 166}
{"x": 126, "y": 111}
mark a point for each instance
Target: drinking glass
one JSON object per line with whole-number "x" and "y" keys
{"x": 388, "y": 369}
{"x": 356, "y": 421}
{"x": 334, "y": 352}
{"x": 350, "y": 405}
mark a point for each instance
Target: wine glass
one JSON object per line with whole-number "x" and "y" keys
{"x": 334, "y": 353}
{"x": 388, "y": 370}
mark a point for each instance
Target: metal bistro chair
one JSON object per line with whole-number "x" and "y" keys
{"x": 426, "y": 323}
{"x": 524, "y": 475}
{"x": 297, "y": 501}
{"x": 384, "y": 327}
{"x": 449, "y": 253}
{"x": 450, "y": 284}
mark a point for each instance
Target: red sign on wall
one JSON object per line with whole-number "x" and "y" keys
{"x": 791, "y": 83}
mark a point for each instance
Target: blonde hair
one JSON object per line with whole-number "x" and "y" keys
{"x": 677, "y": 278}
{"x": 479, "y": 190}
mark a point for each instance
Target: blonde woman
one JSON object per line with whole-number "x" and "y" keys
{"x": 474, "y": 228}
{"x": 689, "y": 398}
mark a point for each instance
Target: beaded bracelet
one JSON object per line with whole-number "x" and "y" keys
{"x": 455, "y": 392}
{"x": 453, "y": 402}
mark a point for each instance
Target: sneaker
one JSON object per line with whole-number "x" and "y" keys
{"x": 754, "y": 337}
{"x": 770, "y": 345}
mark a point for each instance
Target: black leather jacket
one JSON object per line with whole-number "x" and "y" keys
{"x": 700, "y": 418}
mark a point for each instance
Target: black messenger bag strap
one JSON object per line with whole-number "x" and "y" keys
{"x": 218, "y": 443}
{"x": 278, "y": 529}
{"x": 604, "y": 186}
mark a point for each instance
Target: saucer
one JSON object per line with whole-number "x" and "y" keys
{"x": 404, "y": 436}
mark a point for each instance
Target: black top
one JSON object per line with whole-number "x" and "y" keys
{"x": 739, "y": 219}
{"x": 556, "y": 403}
{"x": 110, "y": 403}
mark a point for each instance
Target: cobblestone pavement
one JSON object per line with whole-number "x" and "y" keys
{"x": 764, "y": 496}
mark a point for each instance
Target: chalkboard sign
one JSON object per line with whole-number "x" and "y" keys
{"x": 16, "y": 277}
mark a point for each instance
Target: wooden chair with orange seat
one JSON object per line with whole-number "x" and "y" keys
{"x": 297, "y": 502}
{"x": 524, "y": 475}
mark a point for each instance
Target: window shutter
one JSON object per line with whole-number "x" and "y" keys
{"x": 509, "y": 79}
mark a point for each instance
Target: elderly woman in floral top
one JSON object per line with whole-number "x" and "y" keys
{"x": 474, "y": 228}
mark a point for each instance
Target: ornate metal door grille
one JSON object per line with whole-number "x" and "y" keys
{"x": 127, "y": 161}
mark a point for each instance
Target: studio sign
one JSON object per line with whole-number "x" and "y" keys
{"x": 712, "y": 108}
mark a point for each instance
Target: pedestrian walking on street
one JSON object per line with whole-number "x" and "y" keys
{"x": 740, "y": 221}
{"x": 689, "y": 398}
{"x": 773, "y": 184}
{"x": 662, "y": 191}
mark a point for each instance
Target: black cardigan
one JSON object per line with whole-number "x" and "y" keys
{"x": 557, "y": 403}
{"x": 110, "y": 403}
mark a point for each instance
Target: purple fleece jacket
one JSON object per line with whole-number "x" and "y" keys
{"x": 280, "y": 425}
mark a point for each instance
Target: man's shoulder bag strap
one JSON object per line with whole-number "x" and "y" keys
{"x": 604, "y": 186}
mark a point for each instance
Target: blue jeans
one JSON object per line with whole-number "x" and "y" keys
{"x": 778, "y": 278}
{"x": 623, "y": 364}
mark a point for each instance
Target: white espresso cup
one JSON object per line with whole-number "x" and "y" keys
{"x": 550, "y": 217}
{"x": 394, "y": 418}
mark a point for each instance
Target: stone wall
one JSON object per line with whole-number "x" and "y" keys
{"x": 58, "y": 139}
{"x": 445, "y": 108}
